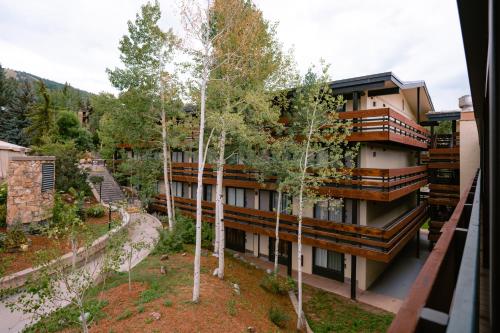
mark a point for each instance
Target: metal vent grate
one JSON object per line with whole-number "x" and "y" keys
{"x": 47, "y": 177}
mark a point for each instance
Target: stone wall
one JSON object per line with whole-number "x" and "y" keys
{"x": 26, "y": 203}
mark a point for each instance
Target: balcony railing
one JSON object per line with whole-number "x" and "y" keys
{"x": 386, "y": 125}
{"x": 444, "y": 297}
{"x": 376, "y": 243}
{"x": 360, "y": 183}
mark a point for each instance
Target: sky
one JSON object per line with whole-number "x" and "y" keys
{"x": 76, "y": 40}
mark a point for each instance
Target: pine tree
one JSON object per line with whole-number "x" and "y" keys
{"x": 15, "y": 118}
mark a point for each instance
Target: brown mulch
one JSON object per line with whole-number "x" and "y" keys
{"x": 19, "y": 261}
{"x": 210, "y": 315}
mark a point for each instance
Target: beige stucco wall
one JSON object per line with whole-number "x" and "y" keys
{"x": 385, "y": 157}
{"x": 307, "y": 255}
{"x": 26, "y": 203}
{"x": 264, "y": 245}
{"x": 379, "y": 214}
{"x": 469, "y": 149}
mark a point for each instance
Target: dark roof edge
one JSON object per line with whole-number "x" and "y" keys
{"x": 381, "y": 77}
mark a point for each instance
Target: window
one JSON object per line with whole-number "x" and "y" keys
{"x": 178, "y": 156}
{"x": 47, "y": 177}
{"x": 235, "y": 196}
{"x": 327, "y": 259}
{"x": 268, "y": 201}
{"x": 177, "y": 188}
{"x": 330, "y": 210}
{"x": 207, "y": 192}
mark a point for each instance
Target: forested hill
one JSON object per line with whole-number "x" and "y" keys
{"x": 52, "y": 85}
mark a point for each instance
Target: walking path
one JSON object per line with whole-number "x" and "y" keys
{"x": 380, "y": 301}
{"x": 143, "y": 227}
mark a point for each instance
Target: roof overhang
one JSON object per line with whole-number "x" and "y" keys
{"x": 388, "y": 80}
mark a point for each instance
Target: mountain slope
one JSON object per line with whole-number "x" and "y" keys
{"x": 52, "y": 85}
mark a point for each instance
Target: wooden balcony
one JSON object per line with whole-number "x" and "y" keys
{"x": 360, "y": 183}
{"x": 380, "y": 244}
{"x": 386, "y": 125}
{"x": 445, "y": 294}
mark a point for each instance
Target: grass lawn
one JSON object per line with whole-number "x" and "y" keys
{"x": 327, "y": 312}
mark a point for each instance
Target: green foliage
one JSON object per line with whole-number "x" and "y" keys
{"x": 444, "y": 127}
{"x": 167, "y": 303}
{"x": 278, "y": 316}
{"x": 68, "y": 174}
{"x": 96, "y": 211}
{"x": 3, "y": 193}
{"x": 125, "y": 314}
{"x": 3, "y": 237}
{"x": 140, "y": 308}
{"x": 67, "y": 317}
{"x": 149, "y": 295}
{"x": 15, "y": 237}
{"x": 3, "y": 215}
{"x": 231, "y": 307}
{"x": 184, "y": 233}
{"x": 69, "y": 128}
{"x": 327, "y": 312}
{"x": 277, "y": 285}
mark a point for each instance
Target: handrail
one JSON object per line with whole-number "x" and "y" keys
{"x": 418, "y": 302}
{"x": 464, "y": 314}
{"x": 378, "y": 241}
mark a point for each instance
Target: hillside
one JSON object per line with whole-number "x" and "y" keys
{"x": 52, "y": 85}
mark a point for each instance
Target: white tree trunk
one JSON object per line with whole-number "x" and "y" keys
{"x": 171, "y": 181}
{"x": 85, "y": 328}
{"x": 277, "y": 233}
{"x": 219, "y": 203}
{"x": 199, "y": 191}
{"x": 301, "y": 318}
{"x": 166, "y": 178}
{"x": 74, "y": 251}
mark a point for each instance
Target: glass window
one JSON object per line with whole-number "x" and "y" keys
{"x": 177, "y": 189}
{"x": 177, "y": 156}
{"x": 328, "y": 259}
{"x": 235, "y": 196}
{"x": 330, "y": 210}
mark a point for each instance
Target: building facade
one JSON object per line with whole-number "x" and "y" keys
{"x": 371, "y": 216}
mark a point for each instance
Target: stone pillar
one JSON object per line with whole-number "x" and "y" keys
{"x": 30, "y": 194}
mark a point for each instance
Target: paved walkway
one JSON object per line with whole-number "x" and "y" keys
{"x": 380, "y": 301}
{"x": 143, "y": 227}
{"x": 398, "y": 277}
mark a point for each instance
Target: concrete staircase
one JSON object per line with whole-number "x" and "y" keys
{"x": 110, "y": 190}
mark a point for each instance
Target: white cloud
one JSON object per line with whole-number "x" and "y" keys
{"x": 76, "y": 40}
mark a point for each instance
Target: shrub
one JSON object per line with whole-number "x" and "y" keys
{"x": 124, "y": 315}
{"x": 184, "y": 233}
{"x": 3, "y": 237}
{"x": 279, "y": 317}
{"x": 3, "y": 215}
{"x": 231, "y": 307}
{"x": 276, "y": 285}
{"x": 15, "y": 237}
{"x": 96, "y": 211}
{"x": 3, "y": 193}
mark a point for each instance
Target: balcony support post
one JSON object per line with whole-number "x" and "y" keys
{"x": 417, "y": 253}
{"x": 418, "y": 105}
{"x": 353, "y": 257}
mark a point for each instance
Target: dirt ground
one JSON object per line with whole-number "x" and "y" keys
{"x": 17, "y": 261}
{"x": 220, "y": 308}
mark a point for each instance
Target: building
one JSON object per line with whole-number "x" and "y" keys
{"x": 8, "y": 150}
{"x": 457, "y": 289}
{"x": 30, "y": 184}
{"x": 381, "y": 212}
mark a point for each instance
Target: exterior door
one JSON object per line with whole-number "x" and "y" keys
{"x": 235, "y": 239}
{"x": 328, "y": 263}
{"x": 284, "y": 253}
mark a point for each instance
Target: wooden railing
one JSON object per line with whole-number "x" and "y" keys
{"x": 380, "y": 244}
{"x": 386, "y": 125}
{"x": 444, "y": 297}
{"x": 359, "y": 183}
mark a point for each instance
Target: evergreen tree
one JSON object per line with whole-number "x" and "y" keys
{"x": 42, "y": 117}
